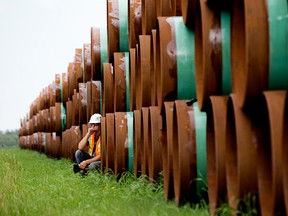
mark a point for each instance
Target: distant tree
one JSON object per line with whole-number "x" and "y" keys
{"x": 8, "y": 139}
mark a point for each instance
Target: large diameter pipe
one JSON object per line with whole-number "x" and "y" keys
{"x": 137, "y": 143}
{"x": 110, "y": 142}
{"x": 241, "y": 154}
{"x": 216, "y": 148}
{"x": 135, "y": 22}
{"x": 95, "y": 54}
{"x": 108, "y": 89}
{"x": 168, "y": 138}
{"x": 176, "y": 79}
{"x": 284, "y": 155}
{"x": 249, "y": 49}
{"x": 270, "y": 124}
{"x": 156, "y": 151}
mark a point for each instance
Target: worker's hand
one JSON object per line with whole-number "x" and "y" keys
{"x": 91, "y": 130}
{"x": 83, "y": 164}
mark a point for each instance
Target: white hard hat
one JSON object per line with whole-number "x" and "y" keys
{"x": 95, "y": 118}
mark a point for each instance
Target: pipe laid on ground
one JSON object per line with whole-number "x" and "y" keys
{"x": 270, "y": 124}
{"x": 216, "y": 147}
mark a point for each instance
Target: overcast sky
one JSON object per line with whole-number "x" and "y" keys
{"x": 38, "y": 39}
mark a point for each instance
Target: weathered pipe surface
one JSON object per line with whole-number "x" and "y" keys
{"x": 95, "y": 53}
{"x": 104, "y": 152}
{"x": 284, "y": 155}
{"x": 241, "y": 154}
{"x": 188, "y": 11}
{"x": 184, "y": 160}
{"x": 176, "y": 73}
{"x": 156, "y": 156}
{"x": 149, "y": 17}
{"x": 137, "y": 143}
{"x": 216, "y": 148}
{"x": 154, "y": 66}
{"x": 167, "y": 140}
{"x": 117, "y": 27}
{"x": 145, "y": 150}
{"x": 270, "y": 124}
{"x": 135, "y": 22}
{"x": 96, "y": 102}
{"x": 145, "y": 70}
{"x": 249, "y": 49}
{"x": 120, "y": 86}
{"x": 208, "y": 53}
{"x": 87, "y": 73}
{"x": 110, "y": 142}
{"x": 83, "y": 119}
{"x": 132, "y": 81}
{"x": 168, "y": 8}
{"x": 121, "y": 144}
{"x": 108, "y": 89}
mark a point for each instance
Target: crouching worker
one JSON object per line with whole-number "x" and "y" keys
{"x": 88, "y": 153}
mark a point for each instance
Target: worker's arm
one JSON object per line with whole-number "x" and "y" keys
{"x": 83, "y": 143}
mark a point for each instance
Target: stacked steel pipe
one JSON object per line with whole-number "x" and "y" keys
{"x": 193, "y": 90}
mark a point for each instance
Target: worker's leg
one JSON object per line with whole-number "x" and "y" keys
{"x": 94, "y": 165}
{"x": 81, "y": 156}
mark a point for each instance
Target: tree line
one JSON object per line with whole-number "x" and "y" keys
{"x": 8, "y": 139}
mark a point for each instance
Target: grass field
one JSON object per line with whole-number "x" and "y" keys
{"x": 33, "y": 184}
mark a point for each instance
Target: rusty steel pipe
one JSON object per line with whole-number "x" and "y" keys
{"x": 96, "y": 73}
{"x": 110, "y": 142}
{"x": 176, "y": 76}
{"x": 168, "y": 8}
{"x": 210, "y": 36}
{"x": 83, "y": 104}
{"x": 121, "y": 144}
{"x": 216, "y": 146}
{"x": 135, "y": 22}
{"x": 168, "y": 139}
{"x": 149, "y": 16}
{"x": 284, "y": 155}
{"x": 184, "y": 149}
{"x": 132, "y": 80}
{"x": 156, "y": 151}
{"x": 241, "y": 154}
{"x": 71, "y": 81}
{"x": 121, "y": 86}
{"x": 137, "y": 143}
{"x": 75, "y": 111}
{"x": 154, "y": 68}
{"x": 249, "y": 49}
{"x": 96, "y": 99}
{"x": 103, "y": 148}
{"x": 58, "y": 89}
{"x": 137, "y": 78}
{"x": 145, "y": 150}
{"x": 78, "y": 74}
{"x": 117, "y": 27}
{"x": 60, "y": 118}
{"x": 219, "y": 4}
{"x": 75, "y": 138}
{"x": 108, "y": 89}
{"x": 145, "y": 70}
{"x": 270, "y": 123}
{"x": 89, "y": 99}
{"x": 188, "y": 11}
{"x": 64, "y": 87}
{"x": 87, "y": 73}
{"x": 48, "y": 144}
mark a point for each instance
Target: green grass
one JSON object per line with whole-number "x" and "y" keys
{"x": 33, "y": 184}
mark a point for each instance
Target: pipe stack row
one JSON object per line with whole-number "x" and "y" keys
{"x": 194, "y": 91}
